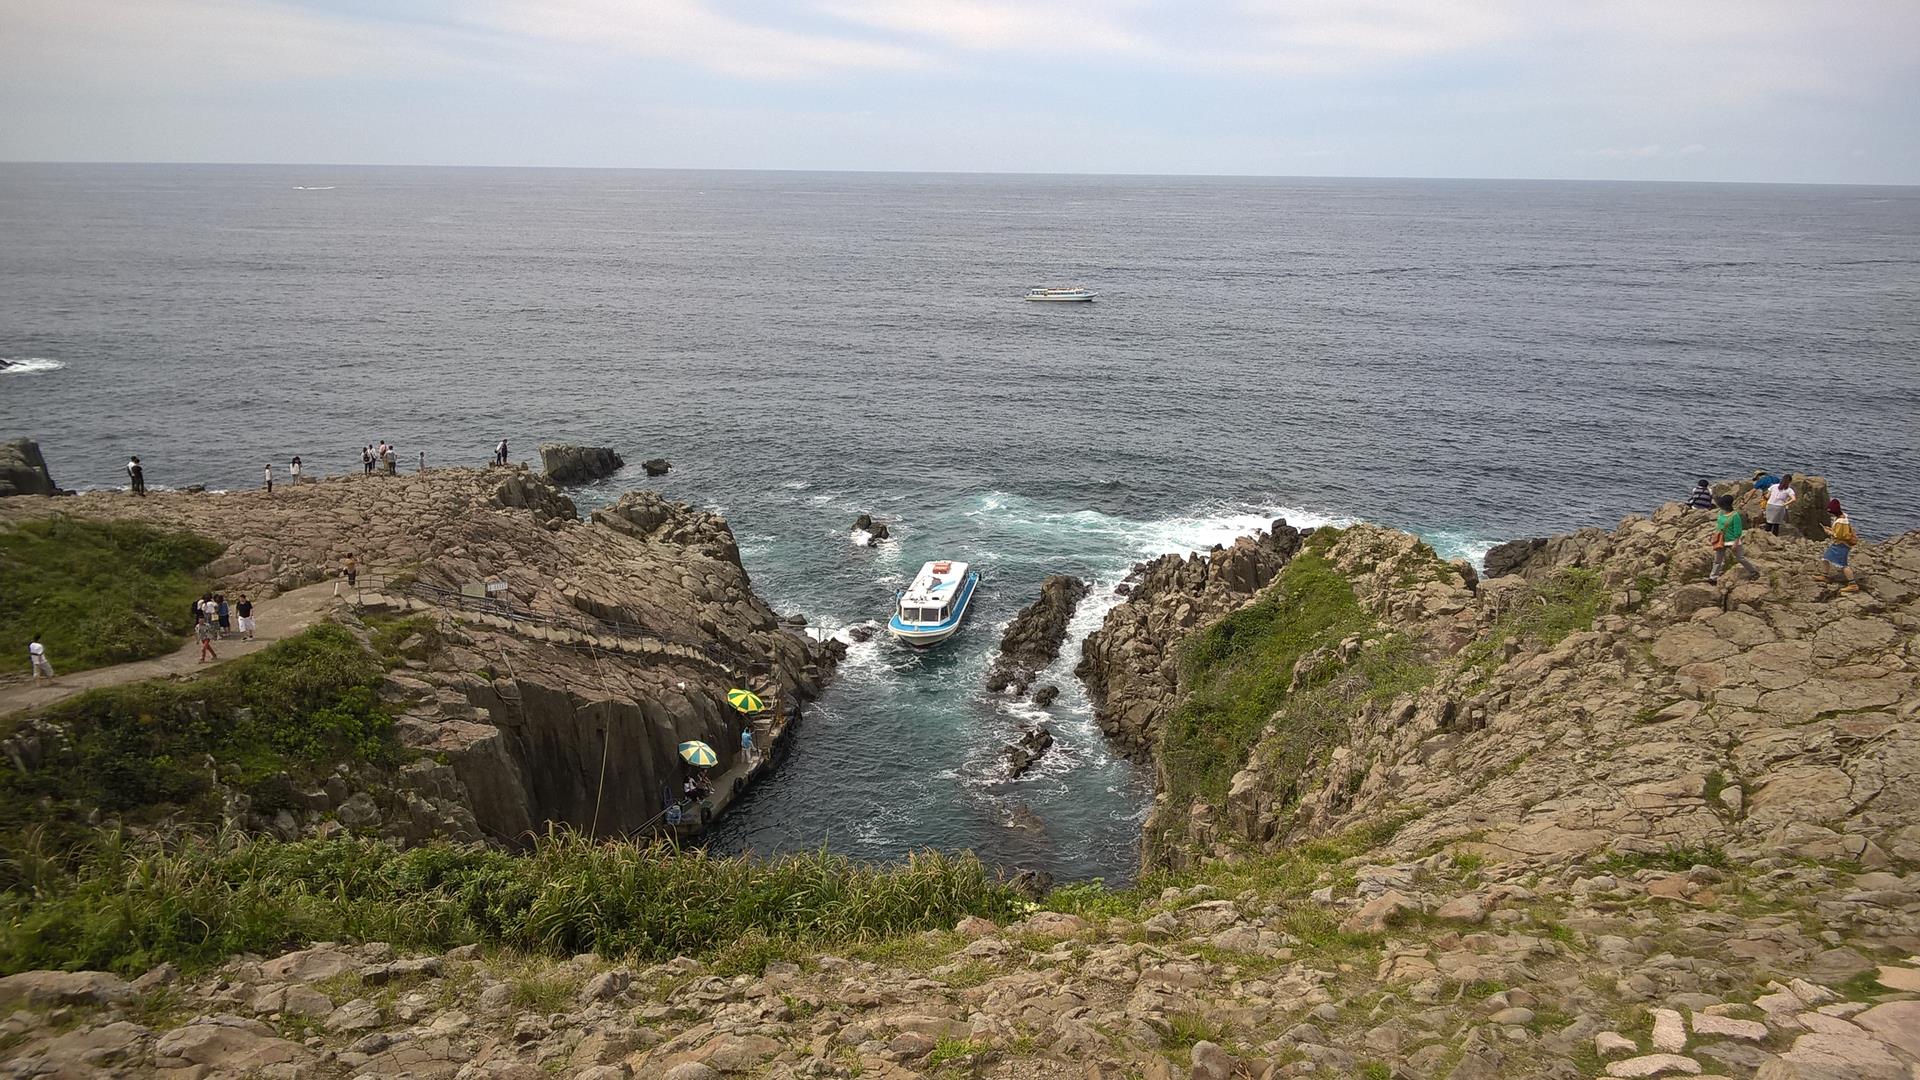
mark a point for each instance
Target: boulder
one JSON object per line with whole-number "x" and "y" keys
{"x": 578, "y": 464}
{"x": 1510, "y": 557}
{"x": 1033, "y": 639}
{"x": 45, "y": 989}
{"x": 23, "y": 471}
{"x": 658, "y": 466}
{"x": 868, "y": 532}
{"x": 1045, "y": 694}
{"x": 1022, "y": 754}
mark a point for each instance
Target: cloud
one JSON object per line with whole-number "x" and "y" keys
{"x": 1630, "y": 153}
{"x": 695, "y": 33}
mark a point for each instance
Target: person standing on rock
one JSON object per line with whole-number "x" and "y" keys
{"x": 204, "y": 631}
{"x": 1779, "y": 497}
{"x": 269, "y": 473}
{"x": 1841, "y": 539}
{"x": 244, "y": 609}
{"x": 37, "y": 656}
{"x": 500, "y": 453}
{"x": 293, "y": 470}
{"x": 1728, "y": 526}
{"x": 136, "y": 476}
{"x": 366, "y": 460}
{"x": 1702, "y": 497}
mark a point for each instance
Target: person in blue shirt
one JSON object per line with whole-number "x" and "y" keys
{"x": 1762, "y": 479}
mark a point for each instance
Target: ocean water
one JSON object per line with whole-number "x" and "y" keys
{"x": 1473, "y": 360}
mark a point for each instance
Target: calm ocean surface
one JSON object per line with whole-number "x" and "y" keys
{"x": 1474, "y": 360}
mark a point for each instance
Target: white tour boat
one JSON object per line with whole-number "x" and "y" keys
{"x": 929, "y": 611}
{"x": 1061, "y": 294}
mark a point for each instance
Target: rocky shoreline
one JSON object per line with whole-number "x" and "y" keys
{"x": 1590, "y": 816}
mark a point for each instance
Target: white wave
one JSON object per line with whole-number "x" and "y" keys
{"x": 329, "y": 187}
{"x": 862, "y": 538}
{"x": 797, "y": 485}
{"x": 29, "y": 365}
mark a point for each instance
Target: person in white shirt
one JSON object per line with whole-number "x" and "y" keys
{"x": 37, "y": 654}
{"x": 1779, "y": 497}
{"x": 293, "y": 467}
{"x": 269, "y": 472}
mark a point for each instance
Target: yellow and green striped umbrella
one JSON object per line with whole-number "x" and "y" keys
{"x": 745, "y": 701}
{"x": 699, "y": 754}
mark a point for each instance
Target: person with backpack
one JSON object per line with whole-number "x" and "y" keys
{"x": 1840, "y": 549}
{"x": 1728, "y": 526}
{"x": 1702, "y": 497}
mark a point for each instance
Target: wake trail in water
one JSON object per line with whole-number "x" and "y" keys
{"x": 28, "y": 365}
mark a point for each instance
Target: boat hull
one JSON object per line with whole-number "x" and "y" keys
{"x": 925, "y": 635}
{"x": 1059, "y": 299}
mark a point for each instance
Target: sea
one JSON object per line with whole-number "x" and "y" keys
{"x": 1473, "y": 360}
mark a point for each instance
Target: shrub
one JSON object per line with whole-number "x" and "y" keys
{"x": 100, "y": 592}
{"x": 123, "y": 907}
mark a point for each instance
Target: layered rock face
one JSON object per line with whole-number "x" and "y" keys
{"x": 1033, "y": 639}
{"x": 23, "y": 471}
{"x": 1765, "y": 717}
{"x": 619, "y": 639}
{"x": 579, "y": 464}
{"x": 1131, "y": 665}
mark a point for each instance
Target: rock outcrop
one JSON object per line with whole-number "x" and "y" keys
{"x": 868, "y": 532}
{"x": 579, "y": 464}
{"x": 1023, "y": 752}
{"x": 1033, "y": 638}
{"x": 657, "y": 466}
{"x": 23, "y": 471}
{"x": 1131, "y": 665}
{"x": 605, "y": 644}
{"x": 1807, "y": 518}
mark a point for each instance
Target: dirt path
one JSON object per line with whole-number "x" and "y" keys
{"x": 281, "y": 617}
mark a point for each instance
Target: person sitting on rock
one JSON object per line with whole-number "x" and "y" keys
{"x": 1702, "y": 497}
{"x": 691, "y": 789}
{"x": 1840, "y": 551}
{"x": 1728, "y": 525}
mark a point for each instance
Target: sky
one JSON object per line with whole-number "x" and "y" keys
{"x": 1743, "y": 90}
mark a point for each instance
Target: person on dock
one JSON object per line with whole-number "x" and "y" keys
{"x": 746, "y": 743}
{"x": 244, "y": 609}
{"x": 1702, "y": 496}
{"x": 269, "y": 476}
{"x": 293, "y": 470}
{"x": 1780, "y": 497}
{"x": 136, "y": 476}
{"x": 1728, "y": 526}
{"x": 37, "y": 656}
{"x": 1841, "y": 539}
{"x": 204, "y": 631}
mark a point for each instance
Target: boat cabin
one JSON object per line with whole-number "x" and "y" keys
{"x": 934, "y": 594}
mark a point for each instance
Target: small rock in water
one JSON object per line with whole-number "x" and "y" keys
{"x": 657, "y": 466}
{"x": 868, "y": 532}
{"x": 1045, "y": 695}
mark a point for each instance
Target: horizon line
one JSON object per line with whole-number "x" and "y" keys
{"x": 960, "y": 172}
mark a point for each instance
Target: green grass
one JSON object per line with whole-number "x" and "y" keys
{"x": 392, "y": 637}
{"x": 950, "y": 1050}
{"x": 1185, "y": 1029}
{"x": 1674, "y": 859}
{"x": 267, "y": 721}
{"x": 124, "y": 907}
{"x": 97, "y": 592}
{"x": 1238, "y": 671}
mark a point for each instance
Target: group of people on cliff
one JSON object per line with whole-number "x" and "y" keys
{"x": 213, "y": 620}
{"x": 1729, "y": 527}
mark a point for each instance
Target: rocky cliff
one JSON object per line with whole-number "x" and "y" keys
{"x": 1131, "y": 664}
{"x": 579, "y": 464}
{"x": 1033, "y": 638}
{"x": 23, "y": 471}
{"x": 1600, "y": 820}
{"x": 558, "y": 695}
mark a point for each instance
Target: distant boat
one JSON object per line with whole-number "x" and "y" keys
{"x": 1061, "y": 294}
{"x": 931, "y": 609}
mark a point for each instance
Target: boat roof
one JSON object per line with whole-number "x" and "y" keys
{"x": 937, "y": 582}
{"x": 1058, "y": 288}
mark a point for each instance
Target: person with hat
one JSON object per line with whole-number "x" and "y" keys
{"x": 1841, "y": 539}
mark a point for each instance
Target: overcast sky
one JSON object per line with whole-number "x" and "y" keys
{"x": 1787, "y": 90}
